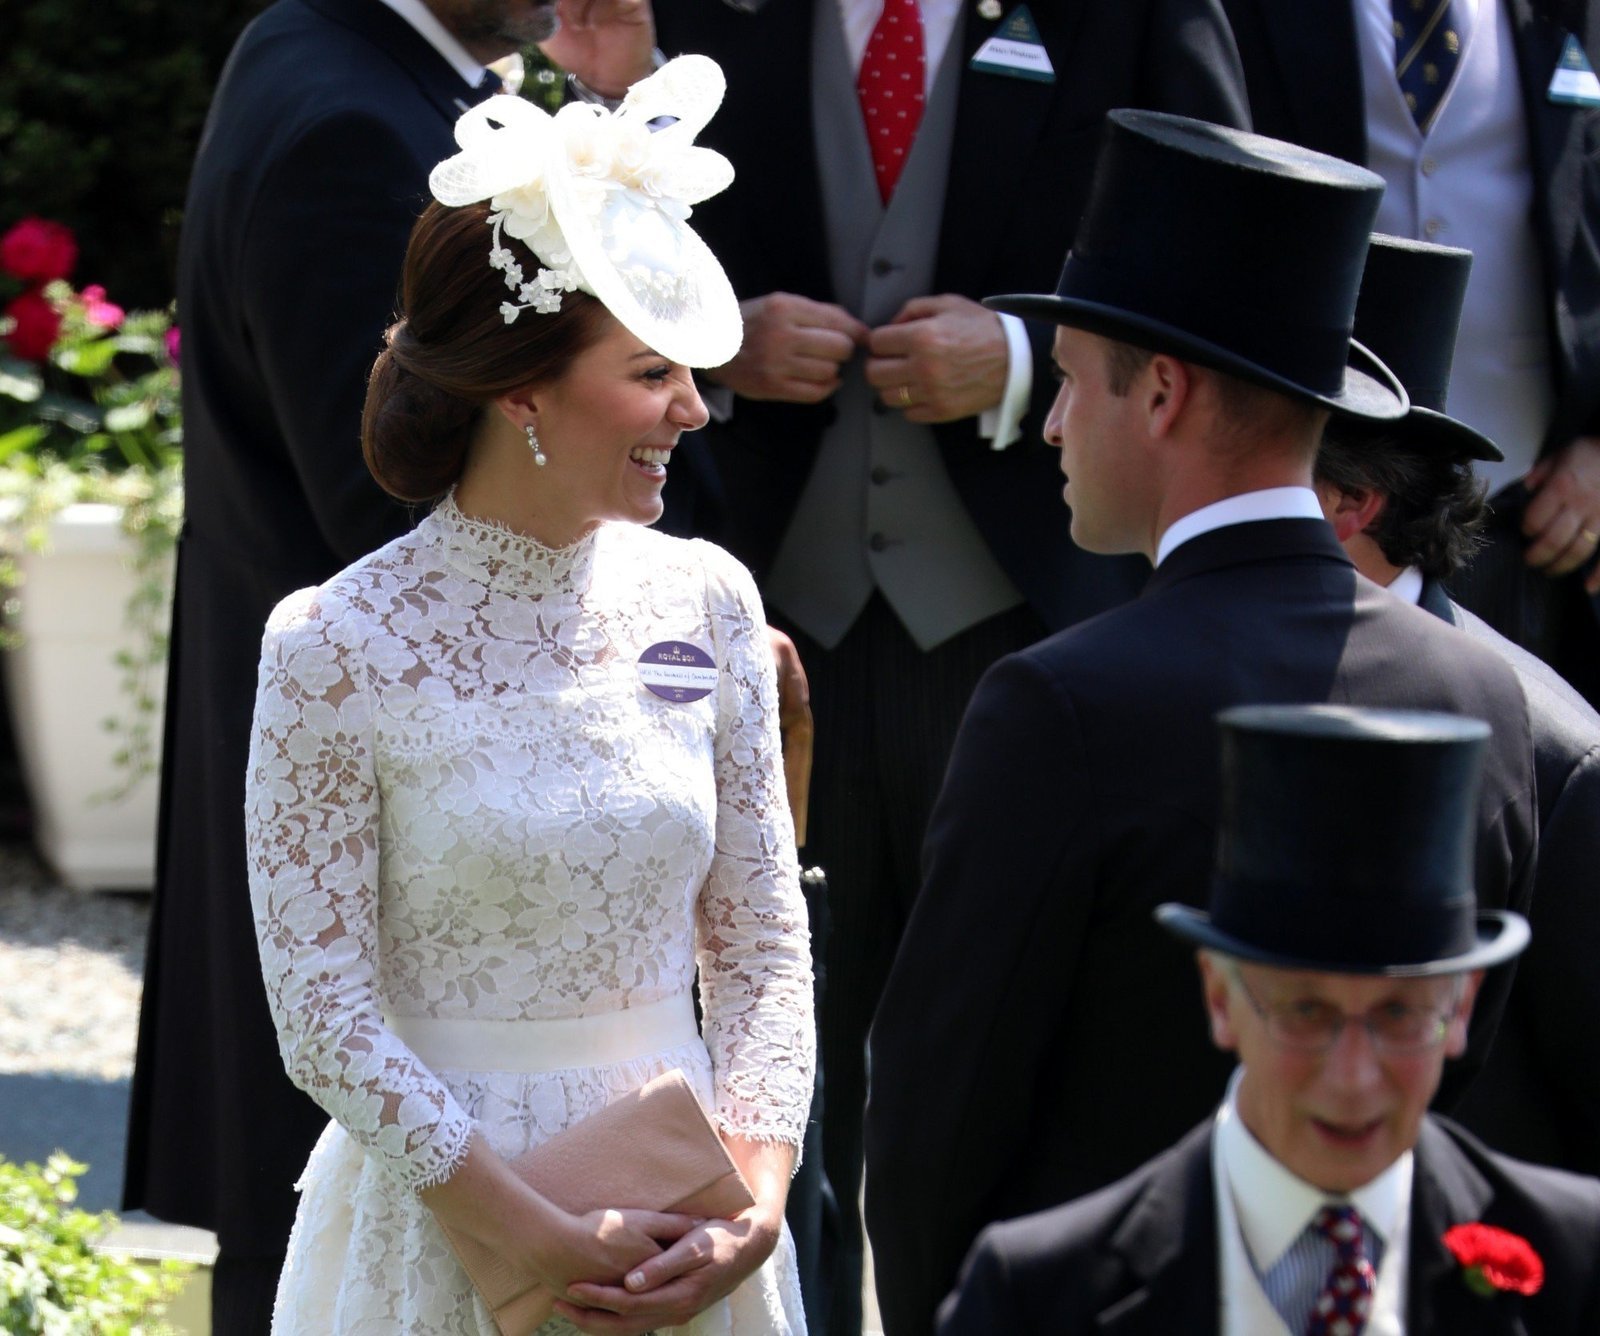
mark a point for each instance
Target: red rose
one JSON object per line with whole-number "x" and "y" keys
{"x": 38, "y": 251}
{"x": 37, "y": 325}
{"x": 1495, "y": 1259}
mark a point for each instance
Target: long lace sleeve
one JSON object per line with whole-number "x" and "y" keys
{"x": 311, "y": 833}
{"x": 753, "y": 942}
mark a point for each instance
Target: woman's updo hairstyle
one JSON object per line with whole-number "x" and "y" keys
{"x": 451, "y": 353}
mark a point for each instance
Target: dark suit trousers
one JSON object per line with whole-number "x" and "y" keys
{"x": 1554, "y": 619}
{"x": 886, "y": 717}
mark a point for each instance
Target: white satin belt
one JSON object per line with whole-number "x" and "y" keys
{"x": 549, "y": 1046}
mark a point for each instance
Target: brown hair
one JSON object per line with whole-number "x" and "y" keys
{"x": 451, "y": 352}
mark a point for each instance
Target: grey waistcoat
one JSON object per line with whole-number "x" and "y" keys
{"x": 879, "y": 509}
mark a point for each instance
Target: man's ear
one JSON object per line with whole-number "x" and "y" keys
{"x": 1350, "y": 512}
{"x": 1166, "y": 385}
{"x": 1455, "y": 1038}
{"x": 1217, "y": 990}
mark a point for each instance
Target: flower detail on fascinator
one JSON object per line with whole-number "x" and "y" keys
{"x": 602, "y": 200}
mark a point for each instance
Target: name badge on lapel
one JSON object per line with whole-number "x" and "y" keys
{"x": 1016, "y": 50}
{"x": 677, "y": 671}
{"x": 1574, "y": 83}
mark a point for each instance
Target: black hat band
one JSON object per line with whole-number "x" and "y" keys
{"x": 1312, "y": 356}
{"x": 1333, "y": 927}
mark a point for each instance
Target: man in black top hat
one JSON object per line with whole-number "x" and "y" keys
{"x": 1037, "y": 1038}
{"x": 1340, "y": 961}
{"x": 1403, "y": 500}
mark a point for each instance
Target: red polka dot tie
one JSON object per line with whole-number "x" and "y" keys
{"x": 1346, "y": 1299}
{"x": 890, "y": 86}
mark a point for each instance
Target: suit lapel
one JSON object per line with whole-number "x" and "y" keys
{"x": 1555, "y": 132}
{"x": 1447, "y": 1190}
{"x": 410, "y": 51}
{"x": 1434, "y": 599}
{"x": 998, "y": 124}
{"x": 1167, "y": 1246}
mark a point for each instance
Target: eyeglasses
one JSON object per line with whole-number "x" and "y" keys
{"x": 1312, "y": 1026}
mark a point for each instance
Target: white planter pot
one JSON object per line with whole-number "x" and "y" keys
{"x": 63, "y": 684}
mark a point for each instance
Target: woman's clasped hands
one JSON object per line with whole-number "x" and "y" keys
{"x": 699, "y": 1265}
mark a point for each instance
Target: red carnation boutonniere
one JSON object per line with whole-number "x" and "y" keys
{"x": 1494, "y": 1260}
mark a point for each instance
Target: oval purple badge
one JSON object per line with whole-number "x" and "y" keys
{"x": 677, "y": 671}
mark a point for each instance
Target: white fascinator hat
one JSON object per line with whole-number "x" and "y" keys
{"x": 602, "y": 198}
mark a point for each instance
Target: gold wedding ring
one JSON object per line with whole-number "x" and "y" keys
{"x": 1589, "y": 536}
{"x": 905, "y": 396}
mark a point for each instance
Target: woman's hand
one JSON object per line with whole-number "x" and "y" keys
{"x": 706, "y": 1264}
{"x": 485, "y": 1200}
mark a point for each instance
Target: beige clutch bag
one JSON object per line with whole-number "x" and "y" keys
{"x": 653, "y": 1150}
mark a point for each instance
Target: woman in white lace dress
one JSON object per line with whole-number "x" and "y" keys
{"x": 488, "y": 859}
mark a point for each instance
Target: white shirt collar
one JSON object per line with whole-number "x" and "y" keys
{"x": 1270, "y": 503}
{"x": 860, "y": 17}
{"x": 1273, "y": 1206}
{"x": 1407, "y": 585}
{"x": 420, "y": 17}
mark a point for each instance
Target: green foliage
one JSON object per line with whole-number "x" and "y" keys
{"x": 52, "y": 1280}
{"x": 101, "y": 107}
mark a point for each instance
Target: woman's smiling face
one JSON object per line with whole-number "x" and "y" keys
{"x": 607, "y": 428}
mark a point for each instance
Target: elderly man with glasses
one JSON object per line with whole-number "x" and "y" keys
{"x": 1340, "y": 959}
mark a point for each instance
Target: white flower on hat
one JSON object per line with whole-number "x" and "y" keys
{"x": 602, "y": 199}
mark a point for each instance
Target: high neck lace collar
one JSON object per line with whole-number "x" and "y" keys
{"x": 505, "y": 560}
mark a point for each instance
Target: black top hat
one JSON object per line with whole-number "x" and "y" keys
{"x": 1228, "y": 249}
{"x": 1408, "y": 313}
{"x": 1346, "y": 844}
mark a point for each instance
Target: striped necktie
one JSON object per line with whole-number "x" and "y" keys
{"x": 1427, "y": 49}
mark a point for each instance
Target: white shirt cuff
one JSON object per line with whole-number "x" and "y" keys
{"x": 1002, "y": 424}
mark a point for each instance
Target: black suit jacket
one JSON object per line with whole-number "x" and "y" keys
{"x": 1020, "y": 167}
{"x": 1303, "y": 68}
{"x": 1140, "y": 1258}
{"x": 1038, "y": 1037}
{"x": 1538, "y": 1097}
{"x": 312, "y": 167}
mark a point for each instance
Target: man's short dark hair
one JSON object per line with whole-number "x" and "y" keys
{"x": 1434, "y": 509}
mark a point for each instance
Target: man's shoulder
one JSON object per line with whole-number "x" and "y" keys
{"x": 1074, "y": 1259}
{"x": 1521, "y": 1188}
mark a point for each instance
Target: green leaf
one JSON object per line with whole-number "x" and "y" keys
{"x": 21, "y": 438}
{"x": 88, "y": 359}
{"x": 127, "y": 417}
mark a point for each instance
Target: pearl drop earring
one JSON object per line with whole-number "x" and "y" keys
{"x": 539, "y": 456}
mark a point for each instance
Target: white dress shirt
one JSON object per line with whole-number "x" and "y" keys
{"x": 1270, "y": 503}
{"x": 420, "y": 17}
{"x": 1262, "y": 1208}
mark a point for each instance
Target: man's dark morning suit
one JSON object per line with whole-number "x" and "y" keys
{"x": 1020, "y": 156}
{"x": 1303, "y": 67}
{"x": 312, "y": 168}
{"x": 1140, "y": 1257}
{"x": 1538, "y": 1096}
{"x": 1083, "y": 791}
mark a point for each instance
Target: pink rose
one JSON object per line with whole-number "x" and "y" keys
{"x": 171, "y": 339}
{"x": 37, "y": 251}
{"x": 37, "y": 325}
{"x": 98, "y": 311}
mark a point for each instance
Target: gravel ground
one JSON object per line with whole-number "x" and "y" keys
{"x": 70, "y": 964}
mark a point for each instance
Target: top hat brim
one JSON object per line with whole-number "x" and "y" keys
{"x": 1501, "y": 934}
{"x": 1433, "y": 430}
{"x": 1370, "y": 390}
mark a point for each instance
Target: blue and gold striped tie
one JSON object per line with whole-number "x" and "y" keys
{"x": 1427, "y": 49}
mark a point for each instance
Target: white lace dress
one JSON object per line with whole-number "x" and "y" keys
{"x": 462, "y": 803}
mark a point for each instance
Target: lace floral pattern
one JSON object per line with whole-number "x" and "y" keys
{"x": 463, "y": 803}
